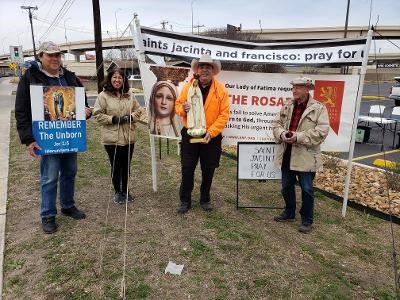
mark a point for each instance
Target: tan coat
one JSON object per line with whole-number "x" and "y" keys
{"x": 311, "y": 132}
{"x": 108, "y": 105}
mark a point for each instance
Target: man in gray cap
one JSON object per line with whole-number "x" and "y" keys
{"x": 300, "y": 127}
{"x": 55, "y": 168}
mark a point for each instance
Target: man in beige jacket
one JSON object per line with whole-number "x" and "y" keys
{"x": 300, "y": 128}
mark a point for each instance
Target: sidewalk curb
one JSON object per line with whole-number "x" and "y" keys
{"x": 4, "y": 148}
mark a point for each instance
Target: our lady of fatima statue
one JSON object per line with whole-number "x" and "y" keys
{"x": 196, "y": 119}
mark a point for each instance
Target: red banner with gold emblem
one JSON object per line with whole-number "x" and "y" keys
{"x": 331, "y": 94}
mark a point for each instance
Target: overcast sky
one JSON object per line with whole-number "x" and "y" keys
{"x": 74, "y": 18}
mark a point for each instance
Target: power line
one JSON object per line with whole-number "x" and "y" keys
{"x": 63, "y": 10}
{"x": 75, "y": 29}
{"x": 180, "y": 25}
{"x": 388, "y": 40}
{"x": 50, "y": 9}
{"x": 53, "y": 22}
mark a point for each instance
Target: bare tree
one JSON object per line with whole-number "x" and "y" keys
{"x": 235, "y": 33}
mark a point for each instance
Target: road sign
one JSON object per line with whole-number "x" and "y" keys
{"x": 12, "y": 66}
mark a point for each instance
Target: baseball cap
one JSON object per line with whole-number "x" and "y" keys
{"x": 49, "y": 48}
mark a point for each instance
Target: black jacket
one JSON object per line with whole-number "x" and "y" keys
{"x": 23, "y": 113}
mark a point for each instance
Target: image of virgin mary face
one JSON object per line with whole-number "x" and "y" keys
{"x": 164, "y": 102}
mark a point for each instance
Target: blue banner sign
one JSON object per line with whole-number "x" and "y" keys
{"x": 58, "y": 119}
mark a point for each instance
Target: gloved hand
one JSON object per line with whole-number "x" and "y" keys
{"x": 121, "y": 120}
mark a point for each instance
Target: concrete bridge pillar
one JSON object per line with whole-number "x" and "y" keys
{"x": 77, "y": 55}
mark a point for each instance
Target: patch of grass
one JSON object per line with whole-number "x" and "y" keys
{"x": 328, "y": 219}
{"x": 111, "y": 275}
{"x": 360, "y": 233}
{"x": 137, "y": 274}
{"x": 230, "y": 247}
{"x": 12, "y": 265}
{"x": 248, "y": 213}
{"x": 57, "y": 272}
{"x": 332, "y": 291}
{"x": 334, "y": 204}
{"x": 220, "y": 283}
{"x": 261, "y": 282}
{"x": 63, "y": 266}
{"x": 140, "y": 291}
{"x": 363, "y": 253}
{"x": 111, "y": 292}
{"x": 243, "y": 285}
{"x": 370, "y": 219}
{"x": 228, "y": 229}
{"x": 230, "y": 235}
{"x": 79, "y": 294}
{"x": 331, "y": 281}
{"x": 14, "y": 281}
{"x": 198, "y": 249}
{"x": 384, "y": 294}
{"x": 218, "y": 222}
{"x": 38, "y": 242}
{"x": 10, "y": 201}
{"x": 54, "y": 241}
{"x": 221, "y": 296}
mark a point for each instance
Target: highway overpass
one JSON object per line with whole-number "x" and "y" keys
{"x": 260, "y": 35}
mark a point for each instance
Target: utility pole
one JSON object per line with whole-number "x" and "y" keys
{"x": 347, "y": 19}
{"x": 30, "y": 8}
{"x": 98, "y": 44}
{"x": 198, "y": 28}
{"x": 191, "y": 6}
{"x": 163, "y": 23}
{"x": 345, "y": 69}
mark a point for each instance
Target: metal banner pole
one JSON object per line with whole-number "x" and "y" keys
{"x": 139, "y": 53}
{"x": 355, "y": 121}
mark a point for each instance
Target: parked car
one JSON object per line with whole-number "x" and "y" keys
{"x": 135, "y": 77}
{"x": 395, "y": 91}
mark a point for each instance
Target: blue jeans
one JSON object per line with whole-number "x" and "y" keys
{"x": 307, "y": 192}
{"x": 54, "y": 168}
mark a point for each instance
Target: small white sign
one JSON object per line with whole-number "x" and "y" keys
{"x": 256, "y": 161}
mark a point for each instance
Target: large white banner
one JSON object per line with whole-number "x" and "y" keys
{"x": 255, "y": 99}
{"x": 346, "y": 51}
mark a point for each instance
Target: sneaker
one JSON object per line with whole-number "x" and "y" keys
{"x": 206, "y": 206}
{"x": 49, "y": 225}
{"x": 305, "y": 228}
{"x": 130, "y": 197}
{"x": 184, "y": 208}
{"x": 119, "y": 198}
{"x": 73, "y": 212}
{"x": 284, "y": 218}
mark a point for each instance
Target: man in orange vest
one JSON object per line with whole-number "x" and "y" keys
{"x": 216, "y": 109}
